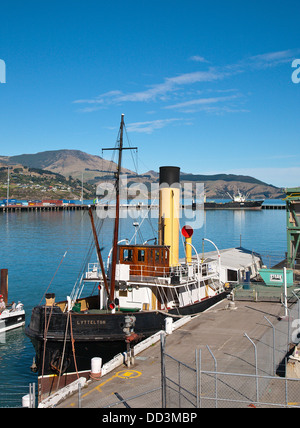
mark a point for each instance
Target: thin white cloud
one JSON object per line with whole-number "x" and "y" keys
{"x": 88, "y": 109}
{"x": 149, "y": 126}
{"x": 100, "y": 99}
{"x": 176, "y": 86}
{"x": 266, "y": 60}
{"x": 170, "y": 84}
{"x": 272, "y": 59}
{"x": 198, "y": 58}
{"x": 201, "y": 101}
{"x": 219, "y": 110}
{"x": 157, "y": 91}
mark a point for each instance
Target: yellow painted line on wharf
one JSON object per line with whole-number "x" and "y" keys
{"x": 123, "y": 374}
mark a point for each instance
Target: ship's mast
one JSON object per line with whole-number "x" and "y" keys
{"x": 120, "y": 148}
{"x": 7, "y": 197}
{"x": 117, "y": 217}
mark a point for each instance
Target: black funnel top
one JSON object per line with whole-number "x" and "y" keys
{"x": 169, "y": 175}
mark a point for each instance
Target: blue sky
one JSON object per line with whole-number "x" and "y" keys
{"x": 203, "y": 85}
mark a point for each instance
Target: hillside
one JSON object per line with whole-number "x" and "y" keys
{"x": 220, "y": 189}
{"x": 219, "y": 185}
{"x": 64, "y": 169}
{"x": 34, "y": 183}
{"x": 67, "y": 163}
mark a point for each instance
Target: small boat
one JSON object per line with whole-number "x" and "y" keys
{"x": 142, "y": 285}
{"x": 12, "y": 317}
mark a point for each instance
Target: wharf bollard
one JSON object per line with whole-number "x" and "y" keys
{"x": 96, "y": 365}
{"x": 168, "y": 325}
{"x": 26, "y": 400}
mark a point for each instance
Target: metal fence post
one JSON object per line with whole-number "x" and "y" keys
{"x": 179, "y": 384}
{"x": 32, "y": 395}
{"x": 163, "y": 370}
{"x": 298, "y": 301}
{"x": 287, "y": 318}
{"x": 286, "y": 385}
{"x": 216, "y": 376}
{"x": 256, "y": 374}
{"x": 274, "y": 362}
{"x": 199, "y": 379}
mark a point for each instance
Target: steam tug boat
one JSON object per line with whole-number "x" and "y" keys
{"x": 146, "y": 281}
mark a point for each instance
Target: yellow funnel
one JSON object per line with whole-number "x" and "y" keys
{"x": 169, "y": 210}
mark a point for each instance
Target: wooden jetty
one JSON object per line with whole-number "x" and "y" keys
{"x": 82, "y": 207}
{"x": 39, "y": 208}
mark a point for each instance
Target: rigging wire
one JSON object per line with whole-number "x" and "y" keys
{"x": 87, "y": 258}
{"x": 135, "y": 161}
{"x": 63, "y": 257}
{"x": 63, "y": 353}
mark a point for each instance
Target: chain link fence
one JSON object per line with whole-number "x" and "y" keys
{"x": 256, "y": 377}
{"x": 197, "y": 388}
{"x": 264, "y": 383}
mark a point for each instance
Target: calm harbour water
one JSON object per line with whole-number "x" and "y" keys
{"x": 34, "y": 246}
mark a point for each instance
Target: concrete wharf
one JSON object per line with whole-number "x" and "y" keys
{"x": 82, "y": 207}
{"x": 40, "y": 208}
{"x": 220, "y": 334}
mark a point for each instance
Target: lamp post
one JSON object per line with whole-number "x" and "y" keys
{"x": 135, "y": 224}
{"x": 198, "y": 263}
{"x": 7, "y": 196}
{"x": 219, "y": 255}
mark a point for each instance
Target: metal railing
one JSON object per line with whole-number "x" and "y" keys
{"x": 258, "y": 291}
{"x": 264, "y": 383}
{"x": 184, "y": 386}
{"x": 141, "y": 272}
{"x": 14, "y": 396}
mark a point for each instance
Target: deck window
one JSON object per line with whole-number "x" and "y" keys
{"x": 127, "y": 255}
{"x": 157, "y": 253}
{"x": 141, "y": 255}
{"x": 232, "y": 275}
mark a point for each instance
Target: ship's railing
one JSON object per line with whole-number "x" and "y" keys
{"x": 182, "y": 272}
{"x": 272, "y": 258}
{"x": 174, "y": 274}
{"x": 177, "y": 285}
{"x": 186, "y": 293}
{"x": 181, "y": 284}
{"x": 94, "y": 271}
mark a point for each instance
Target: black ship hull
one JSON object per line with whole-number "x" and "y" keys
{"x": 66, "y": 342}
{"x": 233, "y": 205}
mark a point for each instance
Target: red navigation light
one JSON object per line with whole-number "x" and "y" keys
{"x": 187, "y": 231}
{"x": 111, "y": 305}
